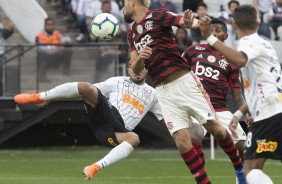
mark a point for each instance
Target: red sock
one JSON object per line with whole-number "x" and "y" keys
{"x": 230, "y": 149}
{"x": 196, "y": 166}
{"x": 199, "y": 150}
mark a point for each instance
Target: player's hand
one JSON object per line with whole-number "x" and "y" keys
{"x": 188, "y": 18}
{"x": 248, "y": 120}
{"x": 205, "y": 23}
{"x": 233, "y": 126}
{"x": 144, "y": 54}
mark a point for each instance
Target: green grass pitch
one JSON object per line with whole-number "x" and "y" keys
{"x": 63, "y": 165}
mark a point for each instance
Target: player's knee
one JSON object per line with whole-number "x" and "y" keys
{"x": 197, "y": 134}
{"x": 85, "y": 88}
{"x": 182, "y": 141}
{"x": 133, "y": 139}
{"x": 216, "y": 129}
{"x": 219, "y": 134}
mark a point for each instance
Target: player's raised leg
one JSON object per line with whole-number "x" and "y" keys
{"x": 67, "y": 90}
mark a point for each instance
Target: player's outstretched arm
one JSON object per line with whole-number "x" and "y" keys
{"x": 237, "y": 58}
{"x": 188, "y": 20}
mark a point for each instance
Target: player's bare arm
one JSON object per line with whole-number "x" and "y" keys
{"x": 237, "y": 116}
{"x": 188, "y": 20}
{"x": 138, "y": 59}
{"x": 240, "y": 101}
{"x": 237, "y": 58}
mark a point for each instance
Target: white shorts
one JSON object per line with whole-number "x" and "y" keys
{"x": 225, "y": 118}
{"x": 182, "y": 99}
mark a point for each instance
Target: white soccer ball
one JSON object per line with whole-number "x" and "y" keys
{"x": 104, "y": 26}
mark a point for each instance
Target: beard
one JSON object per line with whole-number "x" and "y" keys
{"x": 127, "y": 19}
{"x": 137, "y": 80}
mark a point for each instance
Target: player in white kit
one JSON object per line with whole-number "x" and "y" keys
{"x": 115, "y": 107}
{"x": 263, "y": 91}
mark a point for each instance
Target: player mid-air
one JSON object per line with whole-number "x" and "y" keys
{"x": 115, "y": 107}
{"x": 180, "y": 93}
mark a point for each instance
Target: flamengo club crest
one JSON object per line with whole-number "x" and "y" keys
{"x": 149, "y": 25}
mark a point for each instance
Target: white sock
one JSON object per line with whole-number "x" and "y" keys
{"x": 67, "y": 90}
{"x": 118, "y": 153}
{"x": 256, "y": 176}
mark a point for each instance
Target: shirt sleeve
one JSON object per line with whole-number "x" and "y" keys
{"x": 169, "y": 18}
{"x": 246, "y": 46}
{"x": 107, "y": 86}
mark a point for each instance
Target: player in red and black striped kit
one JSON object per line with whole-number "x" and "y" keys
{"x": 217, "y": 75}
{"x": 180, "y": 93}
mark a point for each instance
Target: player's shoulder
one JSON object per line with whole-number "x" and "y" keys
{"x": 116, "y": 79}
{"x": 147, "y": 86}
{"x": 157, "y": 14}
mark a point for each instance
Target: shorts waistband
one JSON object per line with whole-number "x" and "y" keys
{"x": 161, "y": 86}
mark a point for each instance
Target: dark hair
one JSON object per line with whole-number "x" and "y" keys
{"x": 218, "y": 21}
{"x": 233, "y": 1}
{"x": 245, "y": 17}
{"x": 202, "y": 4}
{"x": 48, "y": 19}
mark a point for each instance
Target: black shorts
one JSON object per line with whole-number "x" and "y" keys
{"x": 264, "y": 139}
{"x": 105, "y": 120}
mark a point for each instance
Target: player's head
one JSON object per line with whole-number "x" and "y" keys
{"x": 136, "y": 78}
{"x": 130, "y": 6}
{"x": 49, "y": 25}
{"x": 218, "y": 29}
{"x": 245, "y": 18}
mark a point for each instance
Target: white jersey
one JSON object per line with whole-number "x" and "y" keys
{"x": 262, "y": 77}
{"x": 131, "y": 100}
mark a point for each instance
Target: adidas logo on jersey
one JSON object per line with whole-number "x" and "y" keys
{"x": 200, "y": 56}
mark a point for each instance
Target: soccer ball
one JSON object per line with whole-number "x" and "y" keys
{"x": 104, "y": 26}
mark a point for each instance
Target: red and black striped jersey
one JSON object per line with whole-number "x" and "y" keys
{"x": 155, "y": 31}
{"x": 215, "y": 73}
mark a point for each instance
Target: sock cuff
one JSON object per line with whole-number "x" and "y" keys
{"x": 127, "y": 144}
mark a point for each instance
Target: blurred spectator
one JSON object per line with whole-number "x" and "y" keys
{"x": 182, "y": 39}
{"x": 274, "y": 16}
{"x": 202, "y": 10}
{"x": 5, "y": 32}
{"x": 95, "y": 8}
{"x": 163, "y": 4}
{"x": 67, "y": 9}
{"x": 262, "y": 7}
{"x": 52, "y": 56}
{"x": 120, "y": 3}
{"x": 227, "y": 17}
{"x": 191, "y": 4}
{"x": 82, "y": 7}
